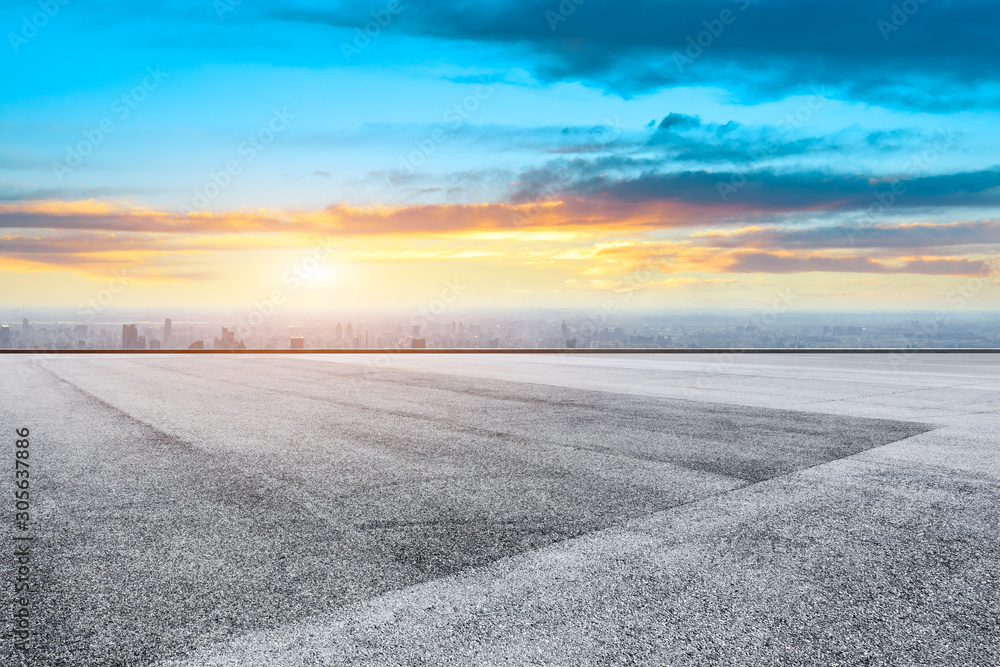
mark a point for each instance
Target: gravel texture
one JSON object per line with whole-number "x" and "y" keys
{"x": 303, "y": 510}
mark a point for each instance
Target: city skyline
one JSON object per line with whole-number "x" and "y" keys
{"x": 775, "y": 327}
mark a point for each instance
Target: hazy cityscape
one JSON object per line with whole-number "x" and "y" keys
{"x": 510, "y": 330}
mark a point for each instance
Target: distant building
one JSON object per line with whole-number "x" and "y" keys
{"x": 167, "y": 326}
{"x": 229, "y": 341}
{"x": 339, "y": 333}
{"x": 297, "y": 342}
{"x": 197, "y": 345}
{"x": 25, "y": 329}
{"x": 416, "y": 331}
{"x": 418, "y": 343}
{"x": 154, "y": 344}
{"x": 130, "y": 337}
{"x": 350, "y": 332}
{"x": 4, "y": 336}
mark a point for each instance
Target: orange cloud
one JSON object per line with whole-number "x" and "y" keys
{"x": 595, "y": 242}
{"x": 342, "y": 220}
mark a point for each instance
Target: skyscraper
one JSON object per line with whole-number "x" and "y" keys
{"x": 130, "y": 337}
{"x": 4, "y": 336}
{"x": 228, "y": 340}
{"x": 340, "y": 333}
{"x": 166, "y": 330}
{"x": 24, "y": 329}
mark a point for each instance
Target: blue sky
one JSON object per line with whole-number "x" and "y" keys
{"x": 645, "y": 111}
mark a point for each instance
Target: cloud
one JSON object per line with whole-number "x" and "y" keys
{"x": 886, "y": 236}
{"x": 763, "y": 48}
{"x": 602, "y": 237}
{"x": 764, "y": 190}
{"x": 687, "y": 139}
{"x": 771, "y": 262}
{"x": 102, "y": 243}
{"x": 339, "y": 220}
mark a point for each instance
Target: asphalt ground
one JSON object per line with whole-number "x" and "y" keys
{"x": 306, "y": 510}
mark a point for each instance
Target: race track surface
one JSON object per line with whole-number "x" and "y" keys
{"x": 596, "y": 509}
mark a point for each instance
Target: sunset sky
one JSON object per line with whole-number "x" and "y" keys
{"x": 705, "y": 153}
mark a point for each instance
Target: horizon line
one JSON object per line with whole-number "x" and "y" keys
{"x": 537, "y": 350}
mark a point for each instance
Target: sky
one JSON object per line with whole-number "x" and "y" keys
{"x": 675, "y": 154}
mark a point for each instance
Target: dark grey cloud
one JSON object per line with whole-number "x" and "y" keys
{"x": 769, "y": 262}
{"x": 628, "y": 180}
{"x": 879, "y": 236}
{"x": 686, "y": 138}
{"x": 891, "y": 52}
